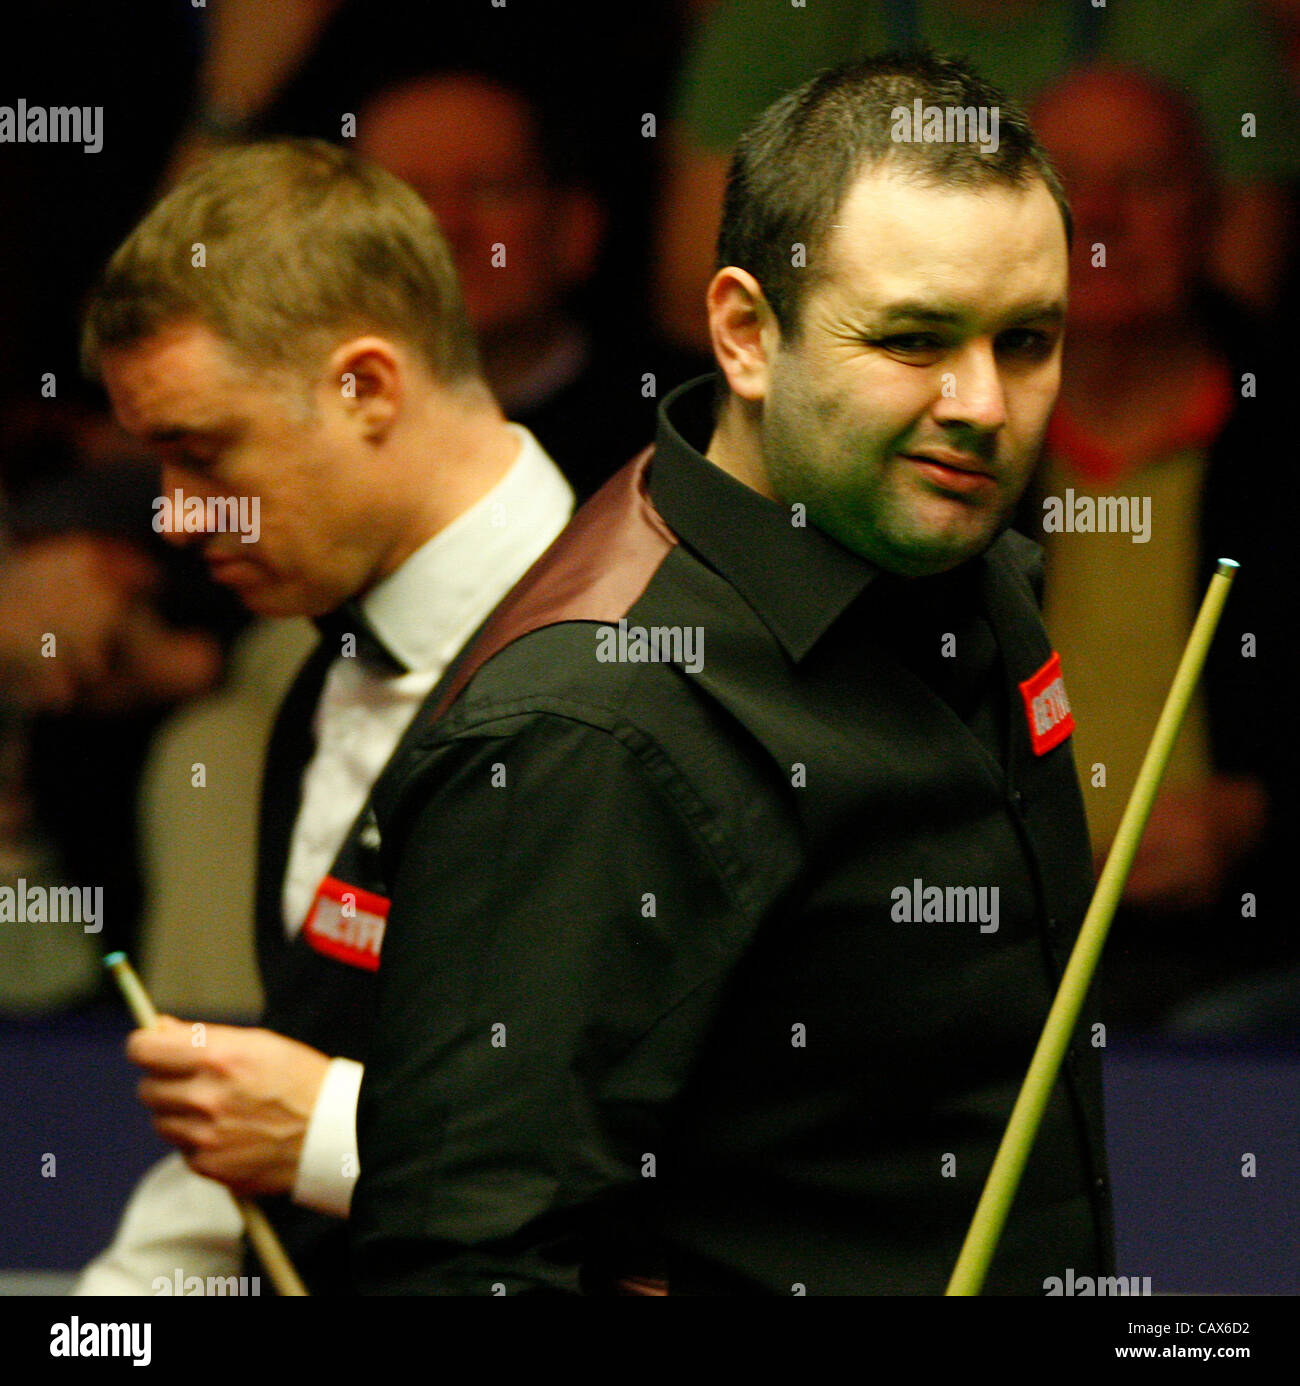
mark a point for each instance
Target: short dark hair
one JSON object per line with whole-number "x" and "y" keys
{"x": 793, "y": 167}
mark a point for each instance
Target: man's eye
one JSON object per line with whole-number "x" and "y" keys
{"x": 911, "y": 344}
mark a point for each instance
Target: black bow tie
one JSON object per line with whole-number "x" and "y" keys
{"x": 349, "y": 633}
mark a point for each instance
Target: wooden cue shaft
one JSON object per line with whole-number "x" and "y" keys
{"x": 1008, "y": 1165}
{"x": 270, "y": 1250}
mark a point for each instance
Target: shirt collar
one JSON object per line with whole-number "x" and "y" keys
{"x": 426, "y": 610}
{"x": 796, "y": 578}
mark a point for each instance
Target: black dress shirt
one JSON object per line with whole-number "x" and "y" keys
{"x": 647, "y": 1007}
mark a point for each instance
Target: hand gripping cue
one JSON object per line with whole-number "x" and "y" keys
{"x": 260, "y": 1232}
{"x": 1004, "y": 1178}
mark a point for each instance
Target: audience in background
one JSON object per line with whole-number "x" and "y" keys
{"x": 525, "y": 227}
{"x": 1170, "y": 401}
{"x": 103, "y": 628}
{"x": 1221, "y": 52}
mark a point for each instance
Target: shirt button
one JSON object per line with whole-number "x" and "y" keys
{"x": 1017, "y": 799}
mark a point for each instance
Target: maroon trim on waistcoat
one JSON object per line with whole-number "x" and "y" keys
{"x": 595, "y": 571}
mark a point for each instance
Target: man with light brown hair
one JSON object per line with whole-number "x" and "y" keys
{"x": 286, "y": 329}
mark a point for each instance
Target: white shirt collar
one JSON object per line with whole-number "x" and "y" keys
{"x": 426, "y": 610}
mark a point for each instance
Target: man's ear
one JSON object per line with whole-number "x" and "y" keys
{"x": 743, "y": 330}
{"x": 369, "y": 377}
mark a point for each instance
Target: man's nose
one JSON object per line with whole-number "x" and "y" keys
{"x": 970, "y": 390}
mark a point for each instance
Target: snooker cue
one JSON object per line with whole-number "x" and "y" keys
{"x": 261, "y": 1234}
{"x": 1008, "y": 1165}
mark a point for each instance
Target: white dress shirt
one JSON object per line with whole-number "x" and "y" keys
{"x": 424, "y": 612}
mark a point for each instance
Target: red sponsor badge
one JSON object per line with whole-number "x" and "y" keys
{"x": 347, "y": 923}
{"x": 1047, "y": 707}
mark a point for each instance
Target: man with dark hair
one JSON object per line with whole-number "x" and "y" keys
{"x": 286, "y": 329}
{"x": 736, "y": 869}
{"x": 792, "y": 166}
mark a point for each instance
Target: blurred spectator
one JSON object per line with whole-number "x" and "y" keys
{"x": 525, "y": 228}
{"x": 307, "y": 67}
{"x": 92, "y": 598}
{"x": 1220, "y": 51}
{"x": 1166, "y": 406}
{"x": 103, "y": 628}
{"x": 249, "y": 52}
{"x": 196, "y": 952}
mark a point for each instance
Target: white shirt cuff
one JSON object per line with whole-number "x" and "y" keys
{"x": 328, "y": 1166}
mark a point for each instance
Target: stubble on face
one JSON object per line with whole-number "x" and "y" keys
{"x": 934, "y": 329}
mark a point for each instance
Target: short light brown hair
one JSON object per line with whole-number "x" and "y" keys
{"x": 302, "y": 243}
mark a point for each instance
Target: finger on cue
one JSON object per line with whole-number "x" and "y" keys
{"x": 261, "y": 1234}
{"x": 1008, "y": 1165}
